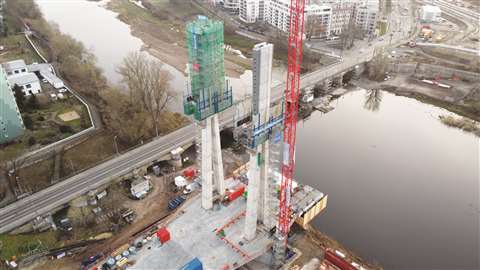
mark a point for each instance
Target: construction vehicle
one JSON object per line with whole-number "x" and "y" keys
{"x": 292, "y": 93}
{"x": 230, "y": 196}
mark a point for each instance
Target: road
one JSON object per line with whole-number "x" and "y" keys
{"x": 42, "y": 202}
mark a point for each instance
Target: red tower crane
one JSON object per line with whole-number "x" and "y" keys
{"x": 292, "y": 93}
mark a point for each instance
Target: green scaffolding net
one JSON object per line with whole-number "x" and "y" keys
{"x": 208, "y": 92}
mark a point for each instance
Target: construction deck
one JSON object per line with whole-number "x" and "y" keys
{"x": 196, "y": 233}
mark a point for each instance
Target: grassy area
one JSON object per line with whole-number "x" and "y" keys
{"x": 19, "y": 245}
{"x": 88, "y": 153}
{"x": 37, "y": 176}
{"x": 45, "y": 126}
{"x": 17, "y": 47}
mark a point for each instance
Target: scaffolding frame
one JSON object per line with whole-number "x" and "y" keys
{"x": 208, "y": 91}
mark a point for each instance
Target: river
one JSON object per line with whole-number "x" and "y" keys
{"x": 110, "y": 40}
{"x": 403, "y": 188}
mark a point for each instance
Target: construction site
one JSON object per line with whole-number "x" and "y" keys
{"x": 247, "y": 217}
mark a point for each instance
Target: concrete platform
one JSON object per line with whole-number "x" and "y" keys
{"x": 196, "y": 233}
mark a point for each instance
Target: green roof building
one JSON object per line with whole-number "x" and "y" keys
{"x": 11, "y": 124}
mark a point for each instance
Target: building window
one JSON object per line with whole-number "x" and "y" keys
{"x": 28, "y": 86}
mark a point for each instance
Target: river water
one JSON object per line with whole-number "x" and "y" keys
{"x": 110, "y": 40}
{"x": 403, "y": 188}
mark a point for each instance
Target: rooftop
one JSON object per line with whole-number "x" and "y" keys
{"x": 431, "y": 8}
{"x": 15, "y": 64}
{"x": 23, "y": 78}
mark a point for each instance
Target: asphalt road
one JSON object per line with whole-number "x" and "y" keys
{"x": 42, "y": 202}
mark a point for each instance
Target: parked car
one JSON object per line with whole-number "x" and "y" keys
{"x": 176, "y": 202}
{"x": 44, "y": 80}
{"x": 66, "y": 225}
{"x": 62, "y": 90}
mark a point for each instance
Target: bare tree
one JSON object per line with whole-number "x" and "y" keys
{"x": 124, "y": 118}
{"x": 147, "y": 83}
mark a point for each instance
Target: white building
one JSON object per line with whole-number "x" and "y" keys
{"x": 251, "y": 11}
{"x": 232, "y": 5}
{"x": 430, "y": 13}
{"x": 29, "y": 83}
{"x": 18, "y": 74}
{"x": 342, "y": 13}
{"x": 15, "y": 67}
{"x": 248, "y": 10}
{"x": 46, "y": 71}
{"x": 277, "y": 14}
{"x": 140, "y": 187}
{"x": 366, "y": 16}
{"x": 317, "y": 21}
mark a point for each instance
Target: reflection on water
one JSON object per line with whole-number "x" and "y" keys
{"x": 402, "y": 186}
{"x": 373, "y": 98}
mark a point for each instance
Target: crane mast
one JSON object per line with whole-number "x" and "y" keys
{"x": 292, "y": 92}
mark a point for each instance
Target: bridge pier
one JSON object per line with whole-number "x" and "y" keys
{"x": 358, "y": 71}
{"x": 338, "y": 80}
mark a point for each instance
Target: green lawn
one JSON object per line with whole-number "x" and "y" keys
{"x": 18, "y": 245}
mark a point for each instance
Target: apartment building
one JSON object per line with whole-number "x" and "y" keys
{"x": 277, "y": 14}
{"x": 366, "y": 16}
{"x": 251, "y": 11}
{"x": 317, "y": 21}
{"x": 11, "y": 124}
{"x": 342, "y": 12}
{"x": 317, "y": 17}
{"x": 232, "y": 5}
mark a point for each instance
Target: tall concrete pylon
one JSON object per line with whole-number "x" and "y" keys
{"x": 207, "y": 95}
{"x": 258, "y": 188}
{"x": 211, "y": 161}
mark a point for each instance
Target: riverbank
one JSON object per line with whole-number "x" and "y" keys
{"x": 462, "y": 99}
{"x": 312, "y": 243}
{"x": 163, "y": 33}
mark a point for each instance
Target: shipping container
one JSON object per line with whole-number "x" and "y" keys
{"x": 236, "y": 193}
{"x": 189, "y": 173}
{"x": 338, "y": 261}
{"x": 163, "y": 235}
{"x": 194, "y": 264}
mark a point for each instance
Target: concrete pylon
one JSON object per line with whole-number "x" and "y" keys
{"x": 251, "y": 215}
{"x": 264, "y": 202}
{"x": 217, "y": 157}
{"x": 212, "y": 166}
{"x": 258, "y": 188}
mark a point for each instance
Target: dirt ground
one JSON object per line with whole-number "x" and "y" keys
{"x": 312, "y": 242}
{"x": 164, "y": 39}
{"x": 69, "y": 116}
{"x": 149, "y": 210}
